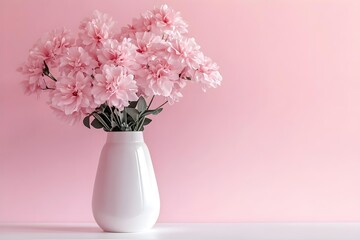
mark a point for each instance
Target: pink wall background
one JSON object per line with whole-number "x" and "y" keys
{"x": 279, "y": 141}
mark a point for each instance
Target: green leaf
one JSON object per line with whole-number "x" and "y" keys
{"x": 86, "y": 121}
{"x": 157, "y": 111}
{"x": 117, "y": 116}
{"x": 123, "y": 126}
{"x": 114, "y": 119}
{"x": 141, "y": 105}
{"x": 124, "y": 114}
{"x": 115, "y": 129}
{"x": 154, "y": 112}
{"x": 96, "y": 124}
{"x": 113, "y": 124}
{"x": 101, "y": 108}
{"x": 102, "y": 121}
{"x": 147, "y": 112}
{"x": 132, "y": 104}
{"x": 146, "y": 121}
{"x": 106, "y": 118}
{"x": 134, "y": 114}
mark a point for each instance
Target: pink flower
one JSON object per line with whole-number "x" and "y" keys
{"x": 148, "y": 44}
{"x": 163, "y": 21}
{"x": 207, "y": 74}
{"x": 73, "y": 95}
{"x": 143, "y": 41}
{"x": 50, "y": 47}
{"x": 166, "y": 20}
{"x": 114, "y": 86}
{"x": 142, "y": 24}
{"x": 96, "y": 29}
{"x": 77, "y": 60}
{"x": 33, "y": 66}
{"x": 35, "y": 80}
{"x": 188, "y": 51}
{"x": 175, "y": 94}
{"x": 118, "y": 54}
{"x": 161, "y": 76}
{"x": 152, "y": 56}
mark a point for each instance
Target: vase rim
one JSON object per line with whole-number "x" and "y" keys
{"x": 125, "y": 136}
{"x": 114, "y": 132}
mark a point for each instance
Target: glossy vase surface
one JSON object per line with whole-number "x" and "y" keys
{"x": 125, "y": 196}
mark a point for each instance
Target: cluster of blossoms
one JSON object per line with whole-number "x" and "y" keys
{"x": 108, "y": 65}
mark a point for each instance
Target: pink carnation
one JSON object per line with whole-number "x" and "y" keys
{"x": 33, "y": 66}
{"x": 208, "y": 74}
{"x": 73, "y": 95}
{"x": 95, "y": 30}
{"x": 176, "y": 94}
{"x": 166, "y": 20}
{"x": 143, "y": 41}
{"x": 148, "y": 44}
{"x": 114, "y": 86}
{"x": 152, "y": 56}
{"x": 118, "y": 53}
{"x": 77, "y": 60}
{"x": 52, "y": 46}
{"x": 163, "y": 21}
{"x": 142, "y": 24}
{"x": 188, "y": 51}
{"x": 161, "y": 76}
{"x": 35, "y": 80}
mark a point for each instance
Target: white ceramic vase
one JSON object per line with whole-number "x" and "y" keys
{"x": 126, "y": 196}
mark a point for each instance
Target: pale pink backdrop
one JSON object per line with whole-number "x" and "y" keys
{"x": 279, "y": 141}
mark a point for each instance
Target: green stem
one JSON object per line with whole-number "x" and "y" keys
{"x": 141, "y": 124}
{"x": 106, "y": 116}
{"x": 98, "y": 117}
{"x": 51, "y": 76}
{"x": 47, "y": 88}
{"x": 47, "y": 72}
{"x": 117, "y": 118}
{"x": 152, "y": 98}
{"x": 162, "y": 105}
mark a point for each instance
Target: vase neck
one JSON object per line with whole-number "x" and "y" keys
{"x": 124, "y": 137}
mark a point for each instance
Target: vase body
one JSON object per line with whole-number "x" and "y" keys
{"x": 125, "y": 196}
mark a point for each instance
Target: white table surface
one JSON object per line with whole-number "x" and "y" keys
{"x": 188, "y": 231}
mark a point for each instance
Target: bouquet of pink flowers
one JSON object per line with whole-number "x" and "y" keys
{"x": 106, "y": 75}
